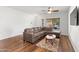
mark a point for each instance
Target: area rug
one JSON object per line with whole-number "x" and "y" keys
{"x": 48, "y": 45}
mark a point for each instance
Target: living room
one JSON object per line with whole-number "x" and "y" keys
{"x": 15, "y": 20}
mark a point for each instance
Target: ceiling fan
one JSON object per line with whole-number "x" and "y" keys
{"x": 51, "y": 9}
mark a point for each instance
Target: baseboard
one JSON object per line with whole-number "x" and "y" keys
{"x": 73, "y": 45}
{"x": 11, "y": 36}
{"x": 69, "y": 41}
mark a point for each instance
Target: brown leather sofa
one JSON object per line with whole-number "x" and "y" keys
{"x": 34, "y": 34}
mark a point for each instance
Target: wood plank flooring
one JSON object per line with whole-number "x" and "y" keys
{"x": 16, "y": 44}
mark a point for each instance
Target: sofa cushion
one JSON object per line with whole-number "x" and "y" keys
{"x": 38, "y": 34}
{"x": 35, "y": 30}
{"x": 29, "y": 30}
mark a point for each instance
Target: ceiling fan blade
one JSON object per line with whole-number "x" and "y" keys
{"x": 55, "y": 10}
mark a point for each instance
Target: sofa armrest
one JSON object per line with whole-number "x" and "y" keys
{"x": 27, "y": 36}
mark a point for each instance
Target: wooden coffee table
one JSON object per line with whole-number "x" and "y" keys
{"x": 50, "y": 38}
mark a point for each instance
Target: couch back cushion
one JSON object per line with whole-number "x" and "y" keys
{"x": 33, "y": 30}
{"x": 47, "y": 29}
{"x": 28, "y": 30}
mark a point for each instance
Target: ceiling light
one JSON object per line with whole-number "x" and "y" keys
{"x": 49, "y": 12}
{"x": 49, "y": 8}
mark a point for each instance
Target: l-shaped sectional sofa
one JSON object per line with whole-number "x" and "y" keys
{"x": 35, "y": 33}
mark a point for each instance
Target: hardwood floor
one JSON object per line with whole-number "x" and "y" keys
{"x": 65, "y": 44}
{"x": 16, "y": 44}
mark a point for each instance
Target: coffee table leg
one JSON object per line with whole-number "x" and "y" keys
{"x": 51, "y": 42}
{"x": 46, "y": 40}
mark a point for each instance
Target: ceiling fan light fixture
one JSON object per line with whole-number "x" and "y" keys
{"x": 50, "y": 9}
{"x": 49, "y": 12}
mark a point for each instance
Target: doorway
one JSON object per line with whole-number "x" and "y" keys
{"x": 53, "y": 22}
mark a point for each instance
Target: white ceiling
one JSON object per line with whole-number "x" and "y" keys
{"x": 39, "y": 9}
